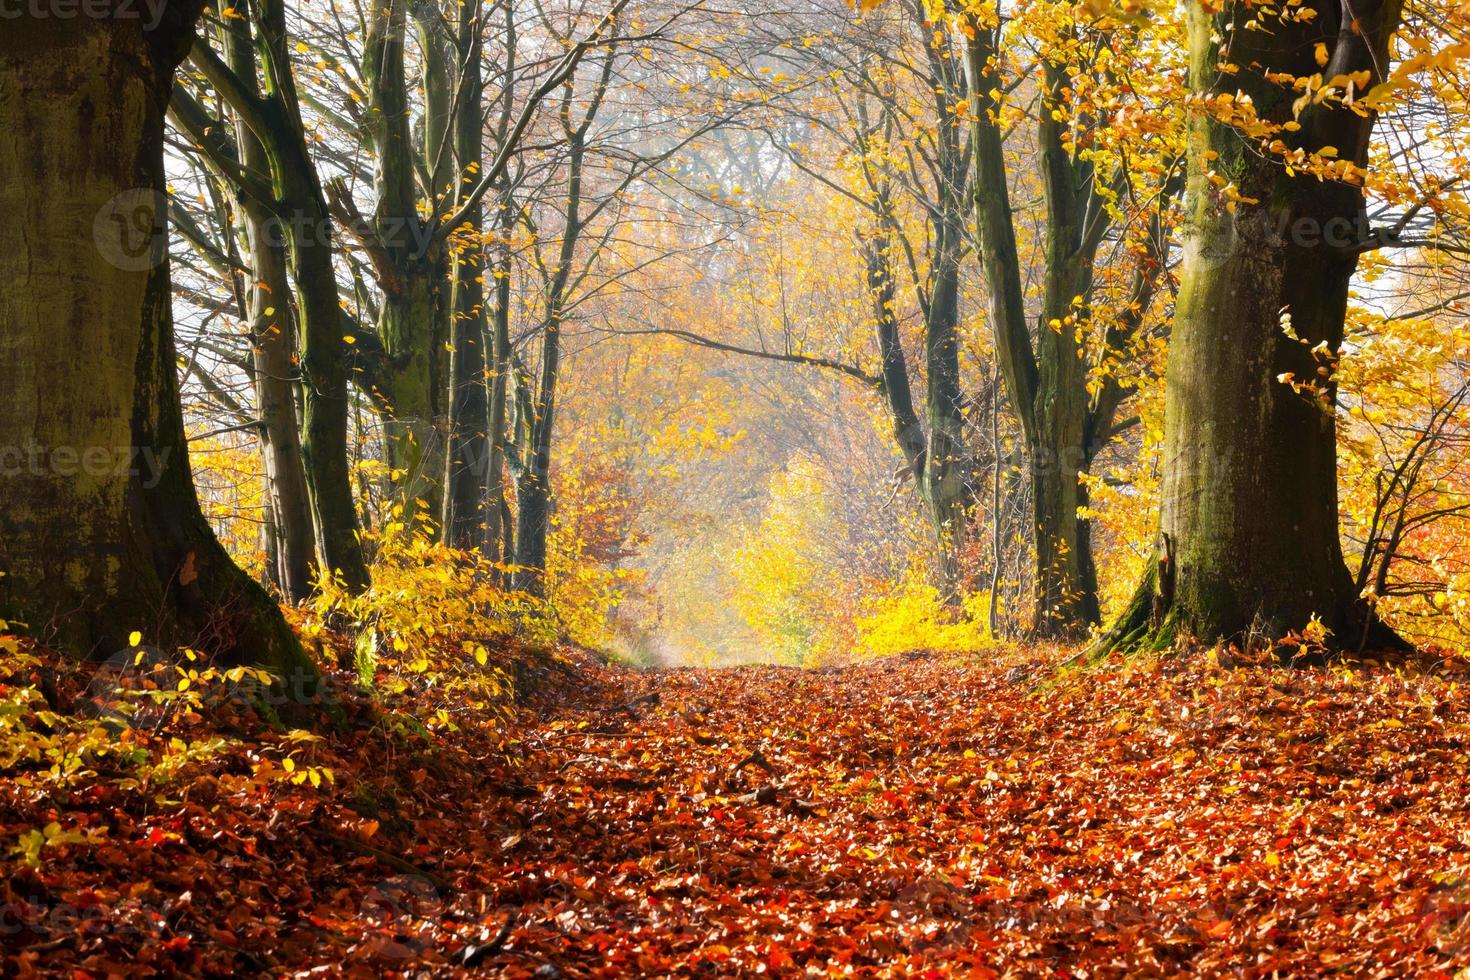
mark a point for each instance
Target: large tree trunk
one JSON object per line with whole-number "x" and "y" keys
{"x": 101, "y": 532}
{"x": 1248, "y": 544}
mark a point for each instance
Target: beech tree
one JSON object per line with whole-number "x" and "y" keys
{"x": 259, "y": 279}
{"x": 1101, "y": 176}
{"x": 291, "y": 190}
{"x": 101, "y": 533}
{"x": 1248, "y": 539}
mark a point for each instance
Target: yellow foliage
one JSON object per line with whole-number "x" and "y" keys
{"x": 783, "y": 589}
{"x": 912, "y": 616}
{"x": 432, "y": 611}
{"x": 1397, "y": 378}
{"x": 798, "y": 590}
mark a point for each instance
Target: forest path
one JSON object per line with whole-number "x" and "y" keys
{"x": 922, "y": 813}
{"x": 913, "y": 814}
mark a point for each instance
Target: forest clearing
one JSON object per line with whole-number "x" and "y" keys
{"x": 602, "y": 488}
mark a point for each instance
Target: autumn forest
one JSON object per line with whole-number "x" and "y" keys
{"x": 618, "y": 488}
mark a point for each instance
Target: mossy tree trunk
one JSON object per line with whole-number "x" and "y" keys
{"x": 409, "y": 257}
{"x": 1248, "y": 543}
{"x": 101, "y": 532}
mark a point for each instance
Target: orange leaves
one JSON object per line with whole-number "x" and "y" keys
{"x": 1051, "y": 818}
{"x": 1340, "y": 90}
{"x": 917, "y": 816}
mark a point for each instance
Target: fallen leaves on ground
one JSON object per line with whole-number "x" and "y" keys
{"x": 916, "y": 815}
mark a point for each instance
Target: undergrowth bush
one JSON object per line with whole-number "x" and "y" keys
{"x": 912, "y": 615}
{"x": 434, "y": 616}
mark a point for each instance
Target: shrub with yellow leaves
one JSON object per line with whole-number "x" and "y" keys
{"x": 433, "y": 614}
{"x": 910, "y": 614}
